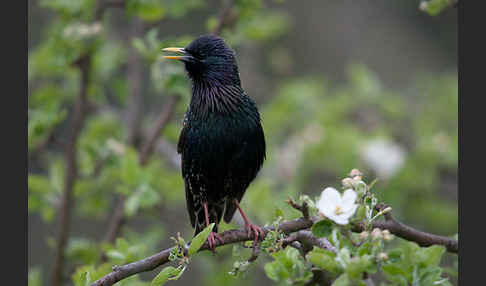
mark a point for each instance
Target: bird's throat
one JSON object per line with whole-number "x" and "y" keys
{"x": 210, "y": 98}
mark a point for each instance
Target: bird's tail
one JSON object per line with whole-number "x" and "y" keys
{"x": 215, "y": 212}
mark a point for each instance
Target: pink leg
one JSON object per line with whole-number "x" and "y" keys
{"x": 258, "y": 231}
{"x": 213, "y": 235}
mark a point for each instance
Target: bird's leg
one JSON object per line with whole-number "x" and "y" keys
{"x": 259, "y": 233}
{"x": 212, "y": 235}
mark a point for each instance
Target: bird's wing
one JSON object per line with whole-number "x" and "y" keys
{"x": 190, "y": 204}
{"x": 182, "y": 135}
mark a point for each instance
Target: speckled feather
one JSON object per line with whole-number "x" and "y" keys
{"x": 222, "y": 143}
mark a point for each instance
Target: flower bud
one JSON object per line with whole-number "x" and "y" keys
{"x": 376, "y": 234}
{"x": 387, "y": 235}
{"x": 386, "y": 210}
{"x": 347, "y": 182}
{"x": 382, "y": 256}
{"x": 364, "y": 235}
{"x": 355, "y": 172}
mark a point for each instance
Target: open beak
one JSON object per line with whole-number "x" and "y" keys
{"x": 185, "y": 55}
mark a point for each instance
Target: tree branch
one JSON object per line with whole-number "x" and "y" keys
{"x": 156, "y": 260}
{"x": 134, "y": 76}
{"x": 409, "y": 233}
{"x": 308, "y": 241}
{"x": 164, "y": 118}
{"x": 118, "y": 218}
{"x": 83, "y": 63}
{"x": 223, "y": 17}
{"x": 296, "y": 229}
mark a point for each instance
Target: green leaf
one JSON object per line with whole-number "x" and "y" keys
{"x": 278, "y": 213}
{"x": 130, "y": 168}
{"x": 132, "y": 204}
{"x": 115, "y": 254}
{"x": 434, "y": 7}
{"x": 431, "y": 255}
{"x": 199, "y": 239}
{"x": 164, "y": 275}
{"x": 273, "y": 271}
{"x": 360, "y": 213}
{"x": 288, "y": 265}
{"x": 343, "y": 257}
{"x": 177, "y": 274}
{"x": 392, "y": 269}
{"x": 322, "y": 228}
{"x": 323, "y": 259}
{"x": 357, "y": 265}
{"x": 429, "y": 275}
{"x": 342, "y": 280}
{"x": 35, "y": 277}
{"x": 364, "y": 248}
{"x": 83, "y": 280}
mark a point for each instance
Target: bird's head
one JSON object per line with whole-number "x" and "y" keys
{"x": 208, "y": 58}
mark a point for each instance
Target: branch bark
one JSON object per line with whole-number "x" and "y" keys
{"x": 83, "y": 63}
{"x": 154, "y": 261}
{"x": 164, "y": 118}
{"x": 223, "y": 17}
{"x": 308, "y": 241}
{"x": 406, "y": 232}
{"x": 134, "y": 77}
{"x": 298, "y": 230}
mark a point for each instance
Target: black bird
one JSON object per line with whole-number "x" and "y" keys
{"x": 221, "y": 143}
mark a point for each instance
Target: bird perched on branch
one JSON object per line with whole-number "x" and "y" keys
{"x": 221, "y": 143}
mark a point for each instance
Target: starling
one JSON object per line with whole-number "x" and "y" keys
{"x": 221, "y": 143}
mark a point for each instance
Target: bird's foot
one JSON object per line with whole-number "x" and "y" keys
{"x": 213, "y": 236}
{"x": 258, "y": 231}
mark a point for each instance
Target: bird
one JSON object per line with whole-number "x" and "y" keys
{"x": 222, "y": 142}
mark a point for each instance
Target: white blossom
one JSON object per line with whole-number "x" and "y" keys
{"x": 336, "y": 207}
{"x": 384, "y": 157}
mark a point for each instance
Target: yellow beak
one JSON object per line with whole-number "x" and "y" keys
{"x": 174, "y": 50}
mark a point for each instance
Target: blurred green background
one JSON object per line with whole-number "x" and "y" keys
{"x": 340, "y": 85}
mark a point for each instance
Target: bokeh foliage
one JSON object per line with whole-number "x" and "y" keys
{"x": 316, "y": 132}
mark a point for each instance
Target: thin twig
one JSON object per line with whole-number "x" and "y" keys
{"x": 308, "y": 241}
{"x": 83, "y": 63}
{"x": 118, "y": 218}
{"x": 223, "y": 17}
{"x": 304, "y": 208}
{"x": 134, "y": 76}
{"x": 254, "y": 253}
{"x": 164, "y": 118}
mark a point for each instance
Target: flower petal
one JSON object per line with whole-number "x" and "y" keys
{"x": 350, "y": 212}
{"x": 331, "y": 194}
{"x": 340, "y": 219}
{"x": 330, "y": 198}
{"x": 349, "y": 197}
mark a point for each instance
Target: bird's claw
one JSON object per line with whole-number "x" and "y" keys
{"x": 213, "y": 236}
{"x": 258, "y": 231}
